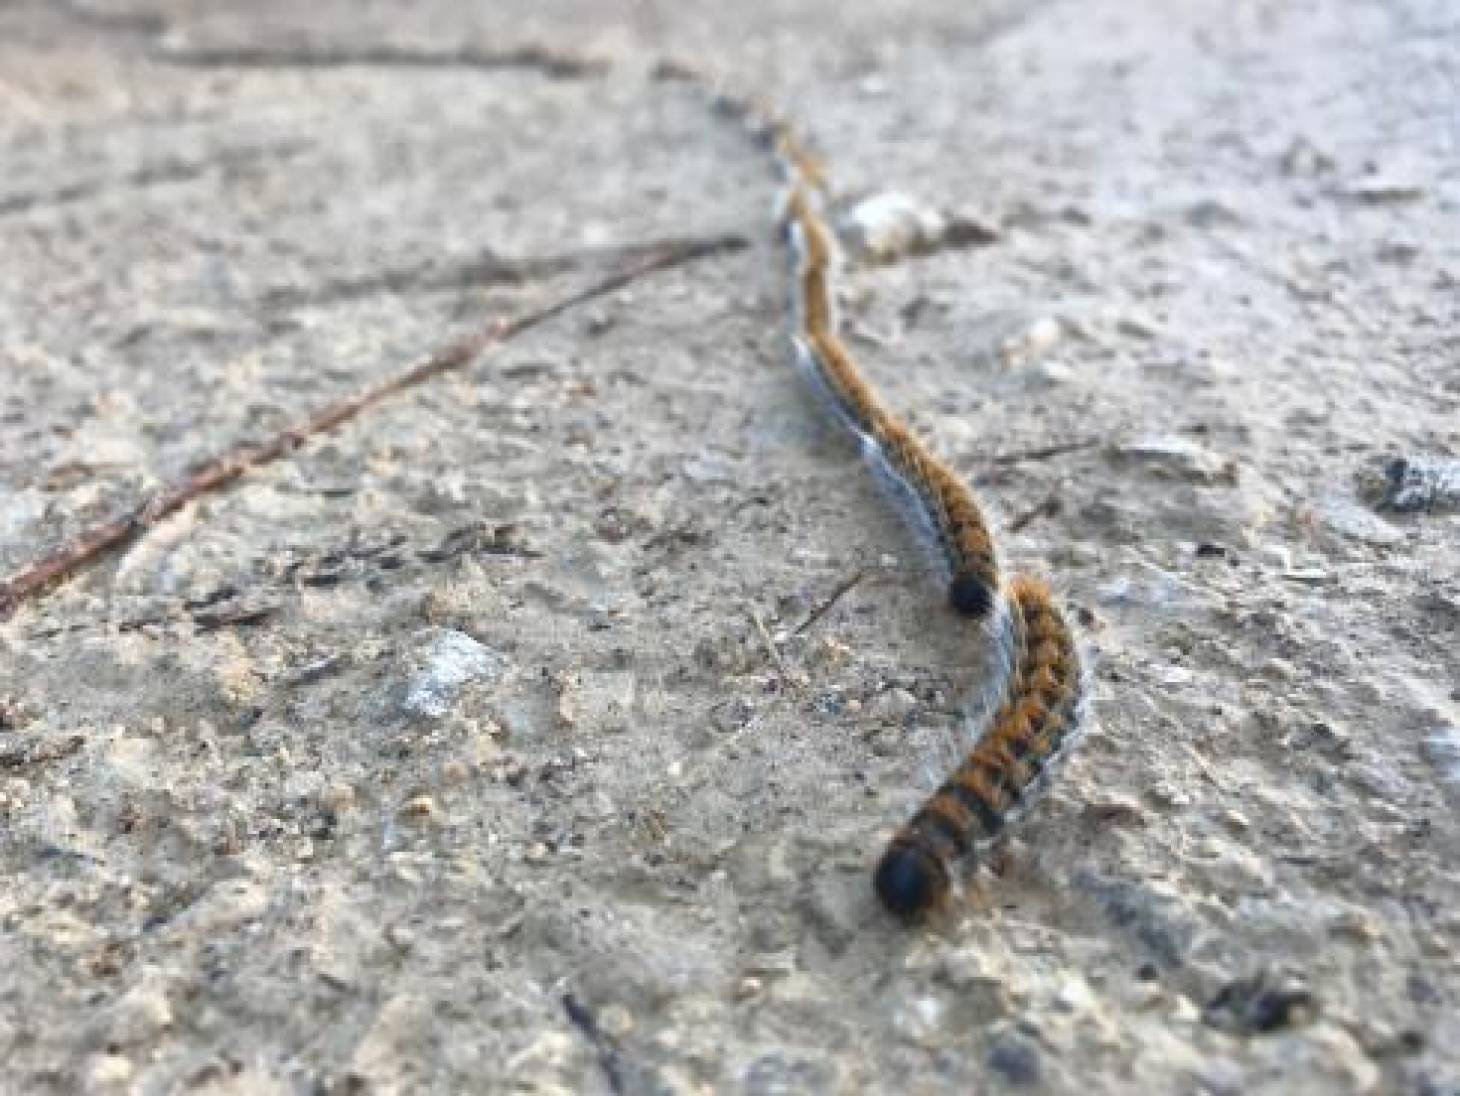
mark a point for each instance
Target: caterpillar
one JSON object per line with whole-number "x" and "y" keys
{"x": 1041, "y": 686}
{"x": 1041, "y": 711}
{"x": 952, "y": 509}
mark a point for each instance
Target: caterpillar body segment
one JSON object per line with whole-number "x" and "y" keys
{"x": 1038, "y": 717}
{"x": 952, "y": 509}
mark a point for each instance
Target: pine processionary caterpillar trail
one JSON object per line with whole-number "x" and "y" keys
{"x": 1043, "y": 688}
{"x": 1039, "y": 715}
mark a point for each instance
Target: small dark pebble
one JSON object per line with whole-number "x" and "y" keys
{"x": 1207, "y": 550}
{"x": 775, "y": 1074}
{"x": 324, "y": 825}
{"x": 1411, "y": 1041}
{"x": 1015, "y": 1058}
{"x": 1259, "y": 1005}
{"x": 1421, "y": 484}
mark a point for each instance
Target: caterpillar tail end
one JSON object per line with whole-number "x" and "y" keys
{"x": 910, "y": 881}
{"x": 971, "y": 595}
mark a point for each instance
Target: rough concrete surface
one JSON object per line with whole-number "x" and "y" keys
{"x": 480, "y": 745}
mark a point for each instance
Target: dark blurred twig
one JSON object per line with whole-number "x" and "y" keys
{"x": 1044, "y": 452}
{"x": 556, "y": 63}
{"x": 836, "y": 595}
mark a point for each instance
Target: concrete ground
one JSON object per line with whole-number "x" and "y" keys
{"x": 513, "y": 737}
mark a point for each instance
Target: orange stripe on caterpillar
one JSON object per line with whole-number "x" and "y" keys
{"x": 1039, "y": 713}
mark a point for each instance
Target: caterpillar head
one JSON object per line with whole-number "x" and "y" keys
{"x": 910, "y": 880}
{"x": 970, "y": 595}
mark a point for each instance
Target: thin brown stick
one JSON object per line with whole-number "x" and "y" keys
{"x": 843, "y": 588}
{"x": 1044, "y": 452}
{"x": 92, "y": 543}
{"x": 484, "y": 269}
{"x": 1046, "y": 509}
{"x": 306, "y": 55}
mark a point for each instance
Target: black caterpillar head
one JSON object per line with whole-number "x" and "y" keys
{"x": 970, "y": 595}
{"x": 910, "y": 880}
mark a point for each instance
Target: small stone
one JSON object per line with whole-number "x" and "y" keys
{"x": 1183, "y": 1010}
{"x": 536, "y": 853}
{"x": 1415, "y": 484}
{"x": 615, "y": 1021}
{"x": 749, "y": 988}
{"x": 1303, "y": 158}
{"x": 873, "y": 86}
{"x": 1235, "y": 821}
{"x": 1167, "y": 795}
{"x": 419, "y": 806}
{"x": 1441, "y": 748}
{"x": 830, "y": 653}
{"x": 1075, "y": 996}
{"x": 1279, "y": 669}
{"x": 1116, "y": 811}
{"x": 891, "y": 225}
{"x": 106, "y": 1071}
{"x": 1015, "y": 1058}
{"x": 893, "y": 706}
{"x": 1355, "y": 924}
{"x": 1263, "y": 1003}
{"x": 1178, "y": 458}
{"x": 337, "y": 797}
{"x": 1053, "y": 372}
{"x": 919, "y": 1020}
{"x": 1036, "y": 340}
{"x": 1173, "y": 676}
{"x": 448, "y": 660}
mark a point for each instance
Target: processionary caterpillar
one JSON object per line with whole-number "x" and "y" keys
{"x": 1041, "y": 710}
{"x": 1043, "y": 693}
{"x": 952, "y": 510}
